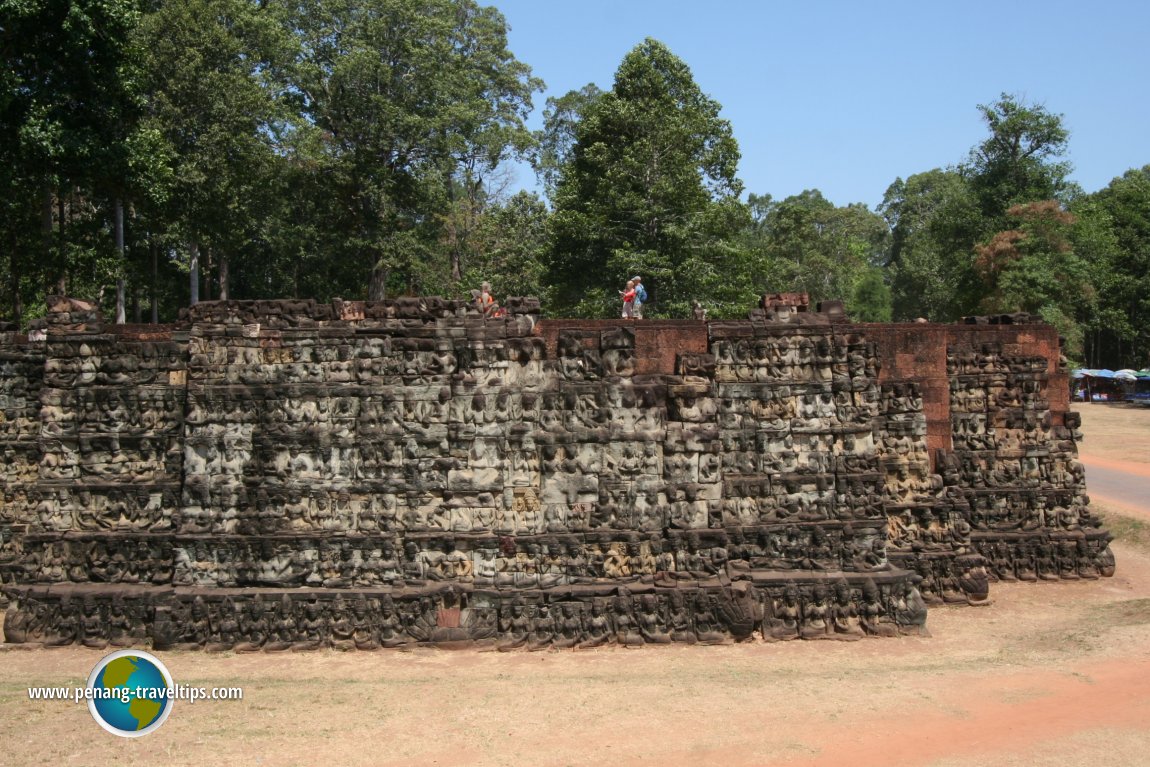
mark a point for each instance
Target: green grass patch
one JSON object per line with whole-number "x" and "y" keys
{"x": 1128, "y": 530}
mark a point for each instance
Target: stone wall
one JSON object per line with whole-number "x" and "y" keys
{"x": 274, "y": 475}
{"x": 21, "y": 375}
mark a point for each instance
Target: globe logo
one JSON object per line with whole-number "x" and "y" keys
{"x": 129, "y": 693}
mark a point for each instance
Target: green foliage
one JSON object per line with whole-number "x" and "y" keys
{"x": 69, "y": 104}
{"x": 937, "y": 218}
{"x": 561, "y": 119}
{"x": 213, "y": 117}
{"x": 804, "y": 243}
{"x": 871, "y": 299}
{"x": 649, "y": 189}
{"x": 513, "y": 238}
{"x": 317, "y": 148}
{"x": 1113, "y": 237}
{"x": 1069, "y": 329}
{"x": 1016, "y": 163}
{"x": 932, "y": 217}
{"x": 297, "y": 147}
{"x": 1034, "y": 265}
{"x": 406, "y": 103}
{"x": 70, "y": 82}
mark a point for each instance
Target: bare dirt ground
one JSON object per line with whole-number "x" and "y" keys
{"x": 1053, "y": 674}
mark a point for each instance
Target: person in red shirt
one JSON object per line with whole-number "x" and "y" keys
{"x": 628, "y": 300}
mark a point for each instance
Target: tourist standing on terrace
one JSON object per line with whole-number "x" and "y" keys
{"x": 628, "y": 300}
{"x": 640, "y": 297}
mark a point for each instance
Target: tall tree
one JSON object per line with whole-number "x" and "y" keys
{"x": 1113, "y": 237}
{"x": 404, "y": 99}
{"x": 1018, "y": 162}
{"x": 68, "y": 116}
{"x": 934, "y": 218}
{"x": 561, "y": 119}
{"x": 1033, "y": 267}
{"x": 650, "y": 188}
{"x": 217, "y": 115}
{"x": 1024, "y": 254}
{"x": 810, "y": 245}
{"x": 937, "y": 218}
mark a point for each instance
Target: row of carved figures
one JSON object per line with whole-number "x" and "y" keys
{"x": 230, "y": 508}
{"x": 989, "y": 360}
{"x": 811, "y": 611}
{"x": 503, "y": 563}
{"x": 1048, "y": 559}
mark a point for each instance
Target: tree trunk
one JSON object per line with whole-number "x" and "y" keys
{"x": 14, "y": 278}
{"x": 46, "y": 217}
{"x": 121, "y": 309}
{"x": 458, "y": 234}
{"x": 46, "y": 238}
{"x": 17, "y": 302}
{"x": 63, "y": 220}
{"x": 194, "y": 273}
{"x": 118, "y": 229}
{"x": 207, "y": 268}
{"x": 224, "y": 277}
{"x": 155, "y": 279}
{"x": 377, "y": 287}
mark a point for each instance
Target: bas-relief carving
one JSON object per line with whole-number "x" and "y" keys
{"x": 426, "y": 477}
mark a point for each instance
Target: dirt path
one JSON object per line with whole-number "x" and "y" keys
{"x": 1116, "y": 453}
{"x": 1049, "y": 674}
{"x": 1009, "y": 714}
{"x": 1114, "y": 432}
{"x": 1052, "y": 675}
{"x": 1119, "y": 485}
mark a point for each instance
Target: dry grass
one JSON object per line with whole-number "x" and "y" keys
{"x": 1129, "y": 530}
{"x": 1116, "y": 431}
{"x": 1055, "y": 674}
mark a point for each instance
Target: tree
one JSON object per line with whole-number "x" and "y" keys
{"x": 871, "y": 299}
{"x": 805, "y": 243}
{"x": 69, "y": 111}
{"x": 1028, "y": 266}
{"x": 1018, "y": 162}
{"x": 650, "y": 189}
{"x": 1113, "y": 237}
{"x": 934, "y": 218}
{"x": 406, "y": 102}
{"x": 512, "y": 238}
{"x": 1033, "y": 268}
{"x": 938, "y": 217}
{"x": 217, "y": 116}
{"x": 561, "y": 119}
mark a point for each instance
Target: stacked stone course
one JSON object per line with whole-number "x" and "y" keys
{"x": 1022, "y": 487}
{"x": 290, "y": 475}
{"x": 21, "y": 374}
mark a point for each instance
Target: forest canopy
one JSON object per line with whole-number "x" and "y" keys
{"x": 156, "y": 153}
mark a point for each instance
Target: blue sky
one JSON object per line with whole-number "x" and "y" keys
{"x": 846, "y": 96}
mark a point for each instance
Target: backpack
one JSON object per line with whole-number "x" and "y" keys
{"x": 640, "y": 293}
